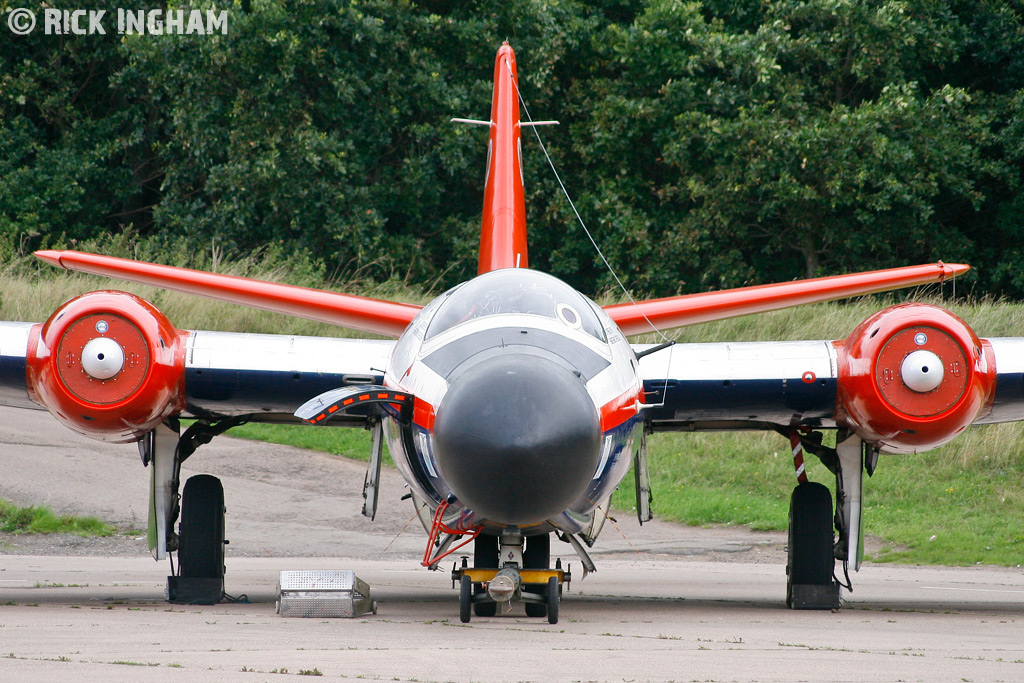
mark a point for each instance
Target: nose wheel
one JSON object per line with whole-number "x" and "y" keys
{"x": 473, "y": 592}
{"x": 484, "y": 586}
{"x": 485, "y": 556}
{"x": 538, "y": 556}
{"x": 465, "y": 599}
{"x": 553, "y": 598}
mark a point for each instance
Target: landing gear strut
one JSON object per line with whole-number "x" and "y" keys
{"x": 813, "y": 548}
{"x": 200, "y": 538}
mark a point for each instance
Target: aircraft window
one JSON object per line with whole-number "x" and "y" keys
{"x": 516, "y": 291}
{"x": 568, "y": 315}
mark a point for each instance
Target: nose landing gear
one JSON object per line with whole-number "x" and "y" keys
{"x": 477, "y": 585}
{"x": 483, "y": 588}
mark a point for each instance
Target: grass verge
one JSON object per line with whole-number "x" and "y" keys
{"x": 350, "y": 443}
{"x": 39, "y": 519}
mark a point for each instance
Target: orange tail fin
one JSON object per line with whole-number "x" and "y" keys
{"x": 503, "y": 229}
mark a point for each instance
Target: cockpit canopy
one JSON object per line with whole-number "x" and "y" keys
{"x": 516, "y": 291}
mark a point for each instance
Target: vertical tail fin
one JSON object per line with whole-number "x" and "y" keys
{"x": 503, "y": 229}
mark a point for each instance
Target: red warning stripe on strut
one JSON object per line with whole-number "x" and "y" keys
{"x": 798, "y": 455}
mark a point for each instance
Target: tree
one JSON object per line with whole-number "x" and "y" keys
{"x": 707, "y": 144}
{"x": 824, "y": 140}
{"x": 72, "y": 156}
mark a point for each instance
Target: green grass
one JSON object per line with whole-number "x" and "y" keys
{"x": 958, "y": 505}
{"x": 40, "y": 519}
{"x": 351, "y": 443}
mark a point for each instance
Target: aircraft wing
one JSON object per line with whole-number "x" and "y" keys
{"x": 228, "y": 374}
{"x": 269, "y": 376}
{"x": 836, "y": 383}
{"x": 166, "y": 372}
{"x": 697, "y": 387}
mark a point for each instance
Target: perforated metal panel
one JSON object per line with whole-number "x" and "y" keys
{"x": 323, "y": 593}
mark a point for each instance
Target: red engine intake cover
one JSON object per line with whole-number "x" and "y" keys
{"x": 875, "y": 399}
{"x": 125, "y": 398}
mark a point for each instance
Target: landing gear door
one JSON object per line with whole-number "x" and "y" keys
{"x": 589, "y": 535}
{"x": 852, "y": 453}
{"x": 160, "y": 449}
{"x": 643, "y": 482}
{"x": 372, "y": 481}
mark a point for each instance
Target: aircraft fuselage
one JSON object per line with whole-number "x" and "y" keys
{"x": 527, "y": 407}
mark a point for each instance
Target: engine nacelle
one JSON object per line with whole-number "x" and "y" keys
{"x": 912, "y": 377}
{"x": 108, "y": 365}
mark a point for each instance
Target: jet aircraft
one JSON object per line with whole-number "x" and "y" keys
{"x": 512, "y": 404}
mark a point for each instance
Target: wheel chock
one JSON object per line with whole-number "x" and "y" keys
{"x": 815, "y": 596}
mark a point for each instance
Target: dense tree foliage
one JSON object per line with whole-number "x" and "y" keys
{"x": 707, "y": 144}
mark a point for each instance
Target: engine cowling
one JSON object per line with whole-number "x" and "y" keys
{"x": 912, "y": 377}
{"x": 108, "y": 365}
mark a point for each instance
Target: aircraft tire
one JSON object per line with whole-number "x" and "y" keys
{"x": 201, "y": 530}
{"x": 553, "y": 600}
{"x": 811, "y": 555}
{"x": 485, "y": 556}
{"x": 537, "y": 555}
{"x": 465, "y": 599}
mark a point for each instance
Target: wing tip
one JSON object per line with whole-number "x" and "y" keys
{"x": 51, "y": 256}
{"x": 953, "y": 269}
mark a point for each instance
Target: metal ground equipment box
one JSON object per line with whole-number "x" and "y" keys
{"x": 323, "y": 593}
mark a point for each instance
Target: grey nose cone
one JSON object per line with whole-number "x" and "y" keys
{"x": 517, "y": 439}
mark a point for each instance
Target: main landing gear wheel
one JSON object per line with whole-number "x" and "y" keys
{"x": 201, "y": 531}
{"x": 537, "y": 556}
{"x": 200, "y": 579}
{"x": 811, "y": 558}
{"x": 466, "y": 600}
{"x": 485, "y": 556}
